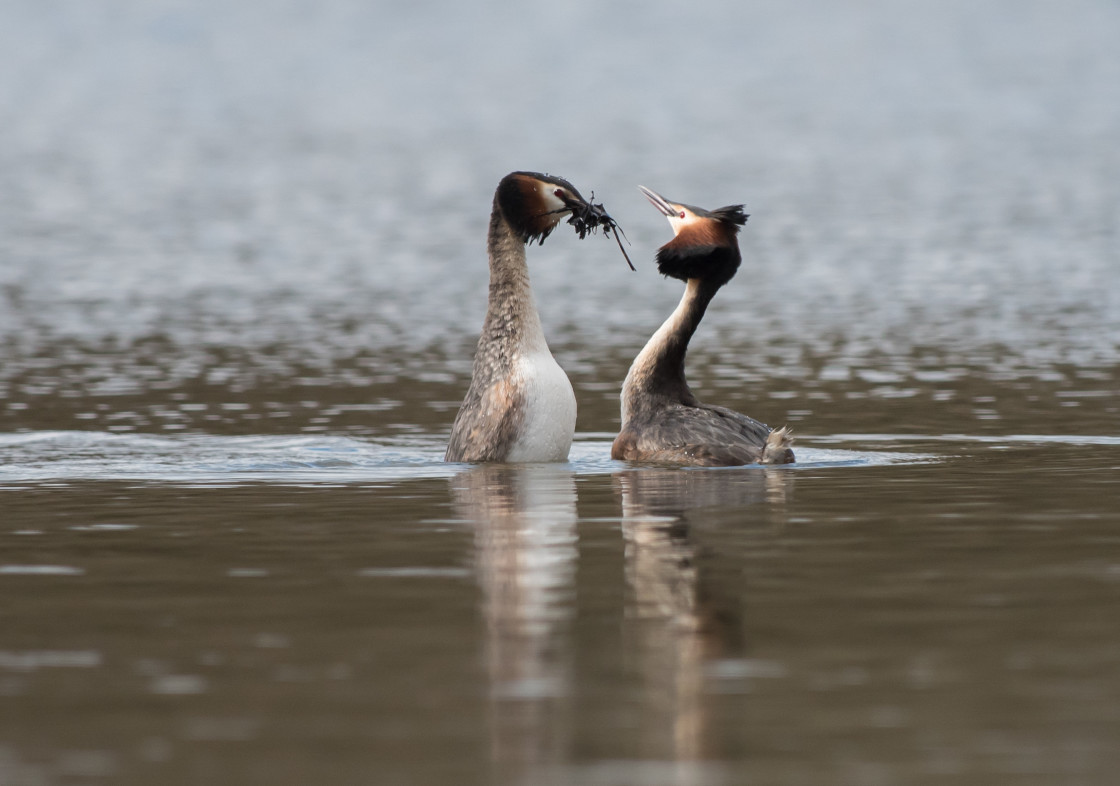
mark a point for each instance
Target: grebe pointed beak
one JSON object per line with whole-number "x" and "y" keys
{"x": 661, "y": 203}
{"x": 573, "y": 203}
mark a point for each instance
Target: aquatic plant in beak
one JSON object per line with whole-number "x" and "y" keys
{"x": 588, "y": 216}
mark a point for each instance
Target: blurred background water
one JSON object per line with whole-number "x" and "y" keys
{"x": 242, "y": 272}
{"x": 276, "y": 196}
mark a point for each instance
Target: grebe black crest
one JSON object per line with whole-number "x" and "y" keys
{"x": 662, "y": 421}
{"x": 520, "y": 406}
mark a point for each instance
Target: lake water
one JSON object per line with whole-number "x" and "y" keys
{"x": 242, "y": 272}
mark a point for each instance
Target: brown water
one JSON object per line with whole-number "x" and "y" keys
{"x": 873, "y": 622}
{"x": 241, "y": 274}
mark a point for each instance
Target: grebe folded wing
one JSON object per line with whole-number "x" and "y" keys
{"x": 488, "y": 423}
{"x": 746, "y": 439}
{"x": 700, "y": 435}
{"x": 726, "y": 420}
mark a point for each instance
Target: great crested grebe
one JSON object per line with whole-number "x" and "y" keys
{"x": 520, "y": 406}
{"x": 661, "y": 419}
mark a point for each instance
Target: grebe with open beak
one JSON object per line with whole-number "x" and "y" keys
{"x": 662, "y": 421}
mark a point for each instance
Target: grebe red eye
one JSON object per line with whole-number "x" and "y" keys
{"x": 559, "y": 193}
{"x": 682, "y": 214}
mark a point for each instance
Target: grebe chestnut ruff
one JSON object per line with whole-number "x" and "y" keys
{"x": 662, "y": 421}
{"x": 520, "y": 406}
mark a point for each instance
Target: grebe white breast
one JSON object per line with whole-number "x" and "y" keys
{"x": 662, "y": 421}
{"x": 520, "y": 406}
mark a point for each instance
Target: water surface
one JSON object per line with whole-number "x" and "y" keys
{"x": 241, "y": 275}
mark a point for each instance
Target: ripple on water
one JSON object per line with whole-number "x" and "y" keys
{"x": 41, "y": 570}
{"x": 201, "y": 459}
{"x": 32, "y": 660}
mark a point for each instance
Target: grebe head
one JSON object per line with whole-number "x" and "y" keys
{"x": 533, "y": 204}
{"x": 705, "y": 242}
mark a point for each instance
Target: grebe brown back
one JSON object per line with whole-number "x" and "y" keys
{"x": 662, "y": 420}
{"x": 520, "y": 406}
